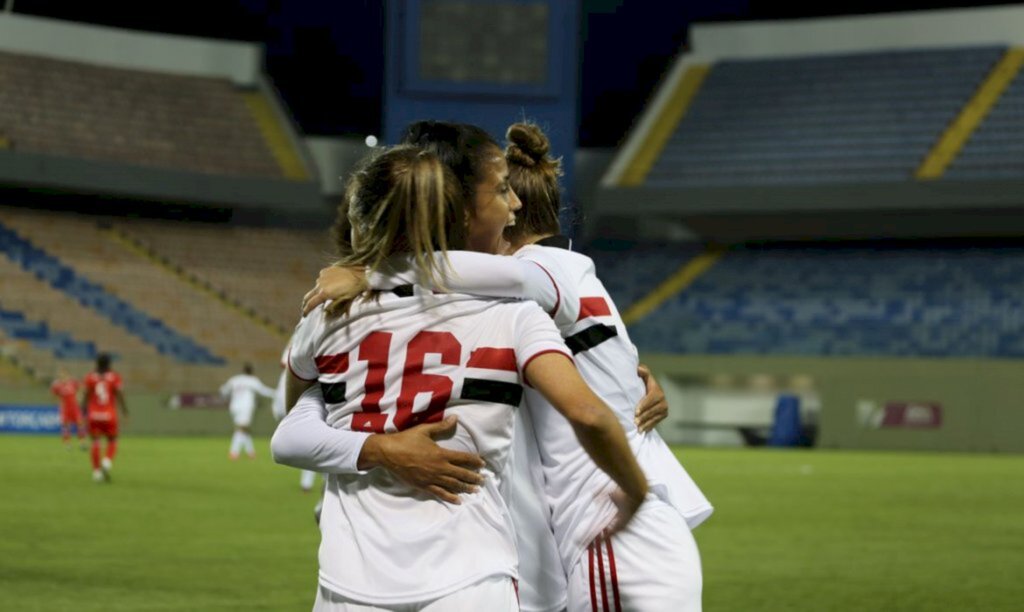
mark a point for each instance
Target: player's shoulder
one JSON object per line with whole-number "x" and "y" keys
{"x": 556, "y": 260}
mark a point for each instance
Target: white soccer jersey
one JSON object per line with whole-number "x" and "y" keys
{"x": 565, "y": 284}
{"x": 395, "y": 363}
{"x": 242, "y": 388}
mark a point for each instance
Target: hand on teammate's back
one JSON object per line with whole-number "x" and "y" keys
{"x": 415, "y": 458}
{"x": 625, "y": 507}
{"x": 653, "y": 408}
{"x": 334, "y": 283}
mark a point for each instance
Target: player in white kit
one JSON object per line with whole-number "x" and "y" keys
{"x": 605, "y": 573}
{"x": 410, "y": 357}
{"x": 310, "y": 443}
{"x": 242, "y": 390}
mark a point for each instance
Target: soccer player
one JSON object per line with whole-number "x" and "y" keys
{"x": 242, "y": 390}
{"x": 66, "y": 388}
{"x": 565, "y": 285}
{"x": 401, "y": 359}
{"x": 101, "y": 397}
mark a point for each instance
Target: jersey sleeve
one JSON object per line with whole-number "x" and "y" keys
{"x": 536, "y": 335}
{"x": 479, "y": 274}
{"x": 116, "y": 382}
{"x": 302, "y": 350}
{"x": 304, "y": 439}
{"x": 567, "y": 308}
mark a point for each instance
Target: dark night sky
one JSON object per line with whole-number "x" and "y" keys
{"x": 327, "y": 57}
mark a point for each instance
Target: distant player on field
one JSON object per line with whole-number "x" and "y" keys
{"x": 102, "y": 390}
{"x": 242, "y": 389}
{"x": 66, "y": 388}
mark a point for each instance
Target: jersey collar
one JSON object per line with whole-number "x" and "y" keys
{"x": 557, "y": 241}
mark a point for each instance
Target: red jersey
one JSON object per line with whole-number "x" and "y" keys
{"x": 66, "y": 389}
{"x": 100, "y": 391}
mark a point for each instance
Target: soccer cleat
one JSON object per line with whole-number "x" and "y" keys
{"x": 97, "y": 476}
{"x": 105, "y": 465}
{"x": 233, "y": 456}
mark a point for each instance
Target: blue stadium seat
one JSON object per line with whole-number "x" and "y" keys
{"x": 869, "y": 117}
{"x": 62, "y": 277}
{"x": 847, "y": 300}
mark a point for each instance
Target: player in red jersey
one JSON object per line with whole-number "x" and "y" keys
{"x": 66, "y": 388}
{"x": 102, "y": 391}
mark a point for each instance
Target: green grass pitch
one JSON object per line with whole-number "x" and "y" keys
{"x": 182, "y": 528}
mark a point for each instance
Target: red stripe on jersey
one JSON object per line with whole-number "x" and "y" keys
{"x": 593, "y": 307}
{"x": 332, "y": 364}
{"x": 558, "y": 294}
{"x": 614, "y": 575}
{"x": 491, "y": 358}
{"x": 600, "y": 571}
{"x": 527, "y": 364}
{"x": 593, "y": 589}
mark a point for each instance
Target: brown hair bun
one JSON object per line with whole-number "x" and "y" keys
{"x": 528, "y": 145}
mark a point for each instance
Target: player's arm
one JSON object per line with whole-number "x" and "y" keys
{"x": 265, "y": 391}
{"x": 84, "y": 402}
{"x": 120, "y": 401}
{"x": 461, "y": 272}
{"x": 305, "y": 440}
{"x": 596, "y": 428}
{"x": 293, "y": 390}
{"x": 653, "y": 407}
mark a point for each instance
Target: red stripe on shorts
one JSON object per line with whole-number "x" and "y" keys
{"x": 614, "y": 575}
{"x": 593, "y": 589}
{"x": 600, "y": 567}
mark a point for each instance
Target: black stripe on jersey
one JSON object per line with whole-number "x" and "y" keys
{"x": 334, "y": 393}
{"x": 403, "y": 291}
{"x": 492, "y": 391}
{"x": 590, "y": 337}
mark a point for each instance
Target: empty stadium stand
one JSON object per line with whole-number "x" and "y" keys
{"x": 133, "y": 117}
{"x": 141, "y": 363}
{"x": 69, "y": 238}
{"x": 865, "y": 117}
{"x": 164, "y": 298}
{"x": 846, "y": 300}
{"x": 996, "y": 148}
{"x": 266, "y": 271}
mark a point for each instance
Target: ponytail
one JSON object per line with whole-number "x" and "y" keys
{"x": 401, "y": 200}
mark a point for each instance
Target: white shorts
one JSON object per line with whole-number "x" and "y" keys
{"x": 242, "y": 416}
{"x": 497, "y": 594}
{"x": 653, "y": 565}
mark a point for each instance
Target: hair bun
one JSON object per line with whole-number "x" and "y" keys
{"x": 528, "y": 145}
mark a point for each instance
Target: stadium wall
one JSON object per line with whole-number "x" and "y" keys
{"x": 150, "y": 415}
{"x": 979, "y": 398}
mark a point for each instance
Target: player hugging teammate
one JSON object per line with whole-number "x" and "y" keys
{"x": 563, "y": 510}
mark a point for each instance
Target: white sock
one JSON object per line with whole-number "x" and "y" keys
{"x": 236, "y": 442}
{"x": 247, "y": 441}
{"x": 306, "y": 480}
